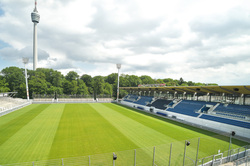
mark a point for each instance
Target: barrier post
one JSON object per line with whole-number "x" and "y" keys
{"x": 170, "y": 154}
{"x": 197, "y": 153}
{"x": 154, "y": 156}
{"x": 184, "y": 153}
{"x": 135, "y": 158}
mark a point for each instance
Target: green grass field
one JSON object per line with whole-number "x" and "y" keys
{"x": 42, "y": 132}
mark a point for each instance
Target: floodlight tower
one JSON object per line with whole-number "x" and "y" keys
{"x": 35, "y": 17}
{"x": 25, "y": 61}
{"x": 118, "y": 67}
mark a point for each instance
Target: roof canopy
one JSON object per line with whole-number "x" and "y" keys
{"x": 230, "y": 90}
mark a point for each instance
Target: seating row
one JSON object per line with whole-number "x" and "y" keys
{"x": 226, "y": 121}
{"x": 234, "y": 109}
{"x": 197, "y": 108}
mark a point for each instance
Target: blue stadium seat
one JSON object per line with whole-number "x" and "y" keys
{"x": 160, "y": 113}
{"x": 187, "y": 107}
{"x": 160, "y": 104}
{"x": 144, "y": 100}
{"x": 234, "y": 109}
{"x": 226, "y": 121}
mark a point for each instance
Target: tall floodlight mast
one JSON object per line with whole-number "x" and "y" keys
{"x": 118, "y": 67}
{"x": 35, "y": 17}
{"x": 25, "y": 61}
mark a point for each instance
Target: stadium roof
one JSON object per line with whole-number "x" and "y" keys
{"x": 230, "y": 90}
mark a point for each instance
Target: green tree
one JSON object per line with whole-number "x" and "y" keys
{"x": 159, "y": 81}
{"x": 57, "y": 79}
{"x": 66, "y": 87}
{"x": 14, "y": 76}
{"x": 47, "y": 73}
{"x": 190, "y": 83}
{"x": 70, "y": 87}
{"x": 53, "y": 89}
{"x": 82, "y": 88}
{"x": 72, "y": 75}
{"x": 22, "y": 91}
{"x": 98, "y": 84}
{"x": 212, "y": 84}
{"x": 124, "y": 81}
{"x": 170, "y": 82}
{"x": 88, "y": 80}
{"x": 147, "y": 80}
{"x": 38, "y": 83}
{"x": 4, "y": 85}
{"x": 111, "y": 79}
{"x": 199, "y": 84}
{"x": 74, "y": 87}
{"x": 134, "y": 81}
{"x": 181, "y": 81}
{"x": 107, "y": 89}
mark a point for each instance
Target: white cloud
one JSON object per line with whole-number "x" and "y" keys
{"x": 202, "y": 41}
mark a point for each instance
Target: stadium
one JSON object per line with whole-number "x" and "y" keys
{"x": 196, "y": 125}
{"x": 48, "y": 119}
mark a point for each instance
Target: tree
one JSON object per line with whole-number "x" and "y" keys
{"x": 170, "y": 82}
{"x": 74, "y": 87}
{"x": 159, "y": 81}
{"x": 4, "y": 85}
{"x": 147, "y": 80}
{"x": 107, "y": 89}
{"x": 38, "y": 84}
{"x": 49, "y": 81}
{"x": 70, "y": 87}
{"x": 22, "y": 91}
{"x": 72, "y": 75}
{"x": 181, "y": 81}
{"x": 124, "y": 81}
{"x": 98, "y": 84}
{"x": 54, "y": 80}
{"x": 14, "y": 76}
{"x": 190, "y": 83}
{"x": 82, "y": 88}
{"x": 53, "y": 89}
{"x": 47, "y": 73}
{"x": 88, "y": 80}
{"x": 134, "y": 81}
{"x": 111, "y": 79}
{"x": 199, "y": 84}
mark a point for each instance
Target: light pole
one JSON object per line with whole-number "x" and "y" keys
{"x": 230, "y": 142}
{"x": 118, "y": 67}
{"x": 25, "y": 61}
{"x": 187, "y": 143}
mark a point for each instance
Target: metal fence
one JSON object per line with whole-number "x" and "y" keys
{"x": 178, "y": 153}
{"x": 245, "y": 161}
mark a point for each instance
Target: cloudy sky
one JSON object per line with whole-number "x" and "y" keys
{"x": 199, "y": 40}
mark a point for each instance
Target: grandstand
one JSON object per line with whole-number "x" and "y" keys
{"x": 9, "y": 104}
{"x": 219, "y": 108}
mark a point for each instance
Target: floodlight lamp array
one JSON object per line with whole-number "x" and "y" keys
{"x": 25, "y": 60}
{"x": 118, "y": 66}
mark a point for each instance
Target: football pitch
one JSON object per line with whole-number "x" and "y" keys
{"x": 42, "y": 132}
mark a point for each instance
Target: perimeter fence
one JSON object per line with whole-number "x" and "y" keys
{"x": 191, "y": 152}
